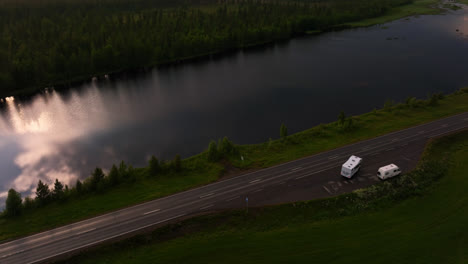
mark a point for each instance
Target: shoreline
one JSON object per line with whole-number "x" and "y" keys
{"x": 420, "y": 7}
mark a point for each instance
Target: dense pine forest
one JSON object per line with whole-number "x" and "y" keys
{"x": 45, "y": 42}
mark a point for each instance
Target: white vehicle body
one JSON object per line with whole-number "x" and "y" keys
{"x": 388, "y": 171}
{"x": 351, "y": 166}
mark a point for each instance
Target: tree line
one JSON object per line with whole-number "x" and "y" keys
{"x": 99, "y": 182}
{"x": 48, "y": 42}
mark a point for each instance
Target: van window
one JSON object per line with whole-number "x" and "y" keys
{"x": 386, "y": 173}
{"x": 395, "y": 171}
{"x": 378, "y": 173}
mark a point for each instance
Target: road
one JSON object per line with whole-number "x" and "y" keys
{"x": 307, "y": 178}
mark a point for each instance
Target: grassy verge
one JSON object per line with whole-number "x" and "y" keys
{"x": 198, "y": 170}
{"x": 418, "y": 7}
{"x": 463, "y": 1}
{"x": 419, "y": 217}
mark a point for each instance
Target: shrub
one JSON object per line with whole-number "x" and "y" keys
{"x": 113, "y": 175}
{"x": 154, "y": 166}
{"x": 177, "y": 163}
{"x": 213, "y": 152}
{"x": 283, "y": 131}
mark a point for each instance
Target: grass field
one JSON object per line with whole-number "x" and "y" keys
{"x": 302, "y": 144}
{"x": 418, "y": 7}
{"x": 413, "y": 225}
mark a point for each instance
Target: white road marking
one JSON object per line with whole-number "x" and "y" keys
{"x": 326, "y": 189}
{"x": 420, "y": 132}
{"x": 345, "y": 182}
{"x": 444, "y": 125}
{"x": 389, "y": 149}
{"x": 206, "y": 207}
{"x": 86, "y": 231}
{"x": 14, "y": 253}
{"x": 206, "y": 195}
{"x": 244, "y": 175}
{"x": 333, "y": 157}
{"x": 102, "y": 240}
{"x": 395, "y": 139}
{"x": 258, "y": 190}
{"x": 283, "y": 182}
{"x": 303, "y": 176}
{"x": 374, "y": 154}
{"x": 150, "y": 212}
{"x": 298, "y": 168}
{"x": 339, "y": 184}
{"x": 351, "y": 181}
{"x": 270, "y": 168}
{"x": 254, "y": 181}
{"x": 233, "y": 198}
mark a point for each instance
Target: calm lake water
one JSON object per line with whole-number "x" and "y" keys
{"x": 245, "y": 96}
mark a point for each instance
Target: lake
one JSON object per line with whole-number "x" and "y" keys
{"x": 244, "y": 95}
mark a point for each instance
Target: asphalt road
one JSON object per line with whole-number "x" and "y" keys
{"x": 311, "y": 177}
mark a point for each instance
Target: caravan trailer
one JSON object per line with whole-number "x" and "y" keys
{"x": 388, "y": 171}
{"x": 351, "y": 166}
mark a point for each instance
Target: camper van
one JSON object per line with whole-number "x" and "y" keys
{"x": 388, "y": 171}
{"x": 351, "y": 166}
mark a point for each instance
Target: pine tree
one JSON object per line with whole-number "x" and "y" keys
{"x": 58, "y": 189}
{"x": 42, "y": 192}
{"x": 13, "y": 203}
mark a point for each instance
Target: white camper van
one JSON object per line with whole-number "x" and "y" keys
{"x": 388, "y": 171}
{"x": 351, "y": 166}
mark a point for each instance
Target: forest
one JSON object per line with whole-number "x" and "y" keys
{"x": 49, "y": 42}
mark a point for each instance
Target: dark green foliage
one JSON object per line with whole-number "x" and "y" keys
{"x": 226, "y": 147}
{"x": 97, "y": 178}
{"x": 79, "y": 186}
{"x": 341, "y": 118}
{"x": 283, "y": 131}
{"x": 177, "y": 163}
{"x": 29, "y": 203}
{"x": 42, "y": 192}
{"x": 434, "y": 99}
{"x": 113, "y": 175}
{"x": 123, "y": 171}
{"x": 46, "y": 42}
{"x": 154, "y": 166}
{"x": 388, "y": 105}
{"x": 58, "y": 190}
{"x": 213, "y": 151}
{"x": 13, "y": 203}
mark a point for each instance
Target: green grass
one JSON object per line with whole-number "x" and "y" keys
{"x": 463, "y": 1}
{"x": 76, "y": 208}
{"x": 198, "y": 171}
{"x": 330, "y": 136}
{"x": 420, "y": 222}
{"x": 418, "y": 7}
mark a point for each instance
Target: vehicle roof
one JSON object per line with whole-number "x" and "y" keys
{"x": 352, "y": 162}
{"x": 388, "y": 167}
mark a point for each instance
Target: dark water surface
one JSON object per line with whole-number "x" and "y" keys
{"x": 245, "y": 96}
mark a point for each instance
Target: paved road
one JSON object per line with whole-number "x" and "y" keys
{"x": 307, "y": 178}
